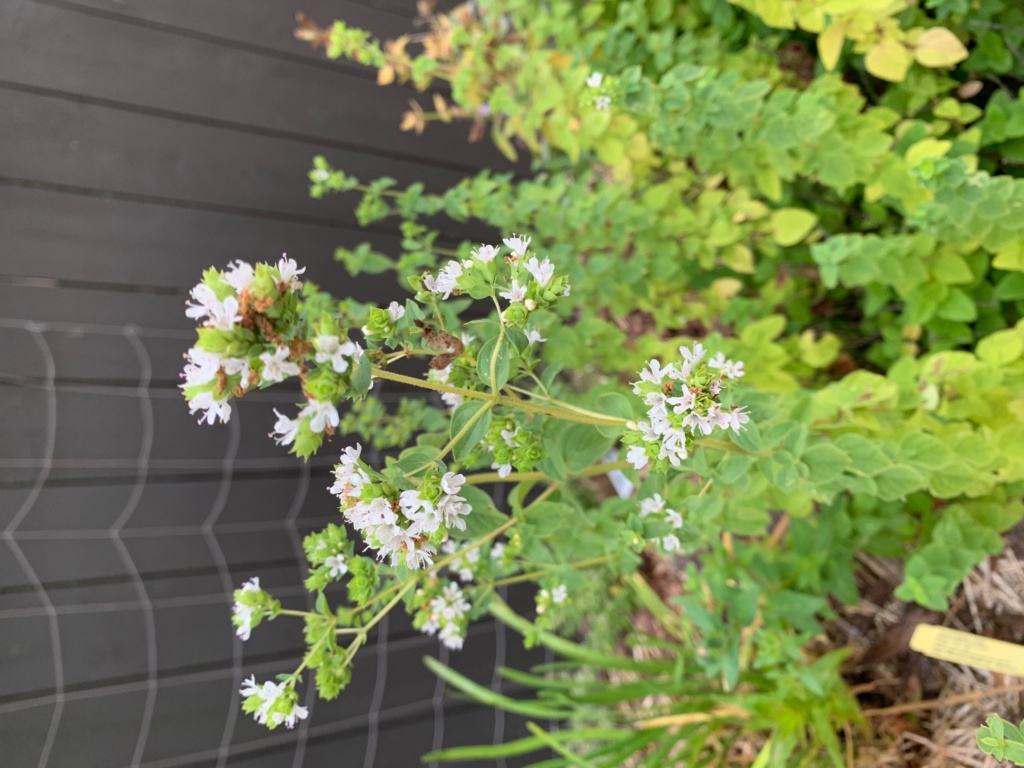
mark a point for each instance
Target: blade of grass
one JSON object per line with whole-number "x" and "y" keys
{"x": 485, "y": 695}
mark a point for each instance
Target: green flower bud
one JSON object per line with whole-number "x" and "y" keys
{"x": 515, "y": 314}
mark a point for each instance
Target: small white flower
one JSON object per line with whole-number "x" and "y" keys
{"x": 204, "y": 298}
{"x": 692, "y": 357}
{"x": 224, "y": 314}
{"x": 269, "y": 692}
{"x": 214, "y": 408}
{"x": 321, "y": 413}
{"x": 516, "y": 292}
{"x": 332, "y": 349}
{"x": 486, "y": 253}
{"x": 533, "y": 336}
{"x": 201, "y": 367}
{"x": 239, "y": 365}
{"x": 637, "y": 456}
{"x": 652, "y": 506}
{"x": 239, "y": 275}
{"x": 446, "y": 280}
{"x": 451, "y": 399}
{"x": 289, "y": 271}
{"x": 285, "y": 429}
{"x": 542, "y": 271}
{"x": 595, "y": 80}
{"x": 736, "y": 418}
{"x": 498, "y": 551}
{"x": 336, "y": 565}
{"x": 243, "y": 614}
{"x": 654, "y": 373}
{"x": 421, "y": 557}
{"x": 730, "y": 369}
{"x": 673, "y": 518}
{"x": 602, "y": 103}
{"x": 320, "y": 174}
{"x": 504, "y": 470}
{"x": 559, "y": 594}
{"x": 276, "y": 366}
{"x": 451, "y": 483}
{"x": 670, "y": 543}
{"x": 395, "y": 311}
{"x": 517, "y": 244}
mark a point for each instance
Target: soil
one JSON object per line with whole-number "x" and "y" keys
{"x": 920, "y": 712}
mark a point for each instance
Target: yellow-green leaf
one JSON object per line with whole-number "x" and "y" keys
{"x": 1001, "y": 347}
{"x": 938, "y": 47}
{"x": 830, "y": 45}
{"x": 926, "y": 148}
{"x": 791, "y": 225}
{"x": 889, "y": 60}
{"x": 739, "y": 258}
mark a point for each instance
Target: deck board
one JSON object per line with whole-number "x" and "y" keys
{"x": 62, "y": 50}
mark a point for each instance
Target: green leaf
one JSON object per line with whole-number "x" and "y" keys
{"x": 484, "y": 695}
{"x": 614, "y": 404}
{"x": 462, "y": 416}
{"x": 898, "y": 482}
{"x": 734, "y": 467}
{"x": 1001, "y": 348}
{"x": 584, "y": 444}
{"x": 958, "y": 306}
{"x": 951, "y": 268}
{"x": 501, "y": 361}
{"x": 791, "y": 225}
{"x": 361, "y": 376}
{"x": 553, "y": 465}
{"x": 484, "y": 518}
{"x": 867, "y": 458}
{"x": 825, "y": 462}
{"x": 924, "y": 450}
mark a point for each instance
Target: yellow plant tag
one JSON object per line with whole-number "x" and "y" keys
{"x": 971, "y": 650}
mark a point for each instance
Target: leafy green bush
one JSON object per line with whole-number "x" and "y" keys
{"x": 832, "y": 196}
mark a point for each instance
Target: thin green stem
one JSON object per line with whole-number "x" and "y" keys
{"x": 312, "y": 652}
{"x": 387, "y": 608}
{"x": 518, "y": 477}
{"x": 289, "y": 612}
{"x": 456, "y": 437}
{"x": 533, "y": 575}
{"x": 558, "y": 413}
{"x": 385, "y": 192}
{"x": 562, "y": 404}
{"x": 727, "y": 446}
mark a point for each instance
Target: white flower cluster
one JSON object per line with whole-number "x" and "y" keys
{"x": 603, "y": 101}
{"x": 447, "y": 279}
{"x": 682, "y": 400}
{"x": 276, "y": 703}
{"x": 340, "y": 354}
{"x": 448, "y": 617}
{"x": 462, "y": 565}
{"x": 398, "y": 529}
{"x": 555, "y": 596}
{"x": 655, "y": 505}
{"x": 204, "y": 368}
{"x": 242, "y": 615}
{"x": 441, "y": 376}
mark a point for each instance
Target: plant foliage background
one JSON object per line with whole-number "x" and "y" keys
{"x": 828, "y": 191}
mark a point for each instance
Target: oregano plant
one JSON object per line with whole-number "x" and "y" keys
{"x": 419, "y": 532}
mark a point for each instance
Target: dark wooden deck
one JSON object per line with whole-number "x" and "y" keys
{"x": 141, "y": 141}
